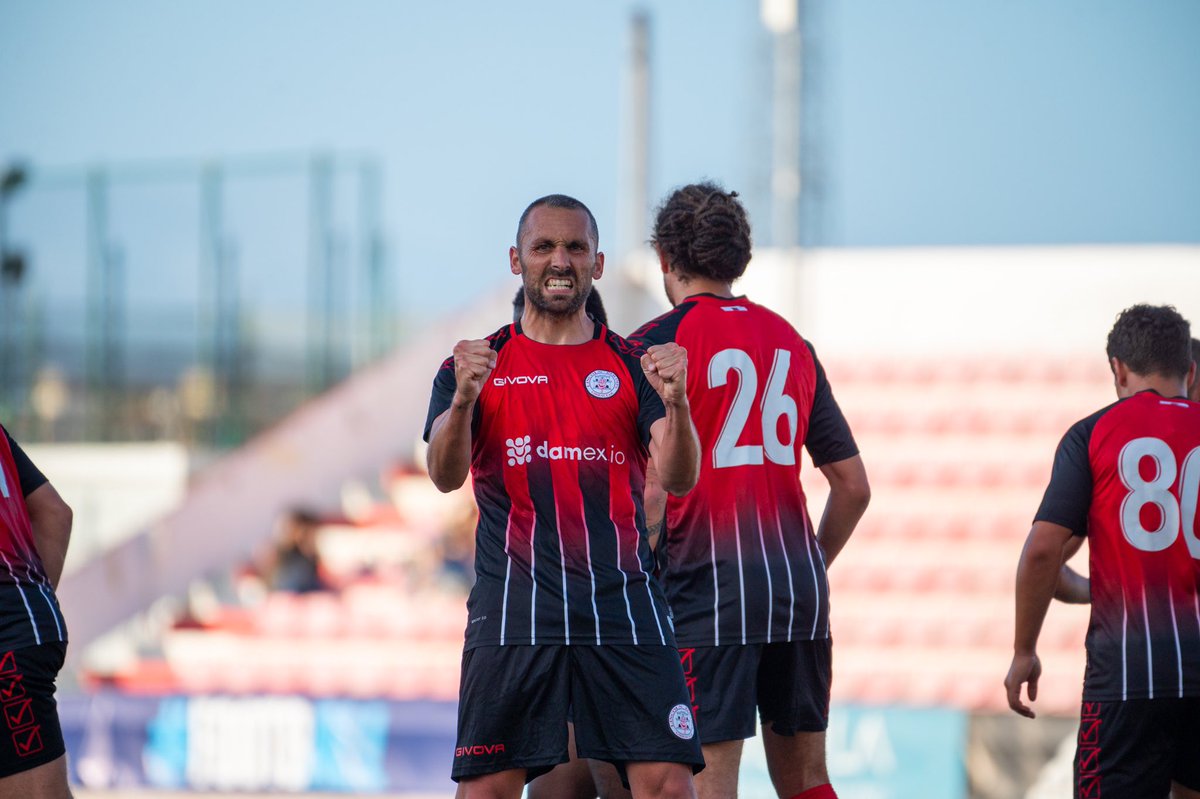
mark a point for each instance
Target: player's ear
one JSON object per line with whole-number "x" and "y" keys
{"x": 598, "y": 268}
{"x": 662, "y": 261}
{"x": 514, "y": 260}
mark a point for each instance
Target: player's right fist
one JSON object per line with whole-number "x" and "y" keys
{"x": 473, "y": 362}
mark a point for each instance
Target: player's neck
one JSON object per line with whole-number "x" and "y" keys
{"x": 700, "y": 285}
{"x": 1165, "y": 386}
{"x": 552, "y": 329}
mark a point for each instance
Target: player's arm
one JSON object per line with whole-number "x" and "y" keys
{"x": 1042, "y": 559}
{"x": 1073, "y": 588}
{"x": 674, "y": 445}
{"x": 849, "y": 495}
{"x": 654, "y": 500}
{"x": 51, "y": 519}
{"x": 449, "y": 455}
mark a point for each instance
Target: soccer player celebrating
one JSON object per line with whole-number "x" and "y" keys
{"x": 35, "y": 528}
{"x": 1127, "y": 477}
{"x": 554, "y": 417}
{"x": 744, "y": 572}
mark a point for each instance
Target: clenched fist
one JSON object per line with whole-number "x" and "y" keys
{"x": 665, "y": 366}
{"x": 473, "y": 362}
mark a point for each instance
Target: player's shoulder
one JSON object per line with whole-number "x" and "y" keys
{"x": 628, "y": 348}
{"x": 664, "y": 327}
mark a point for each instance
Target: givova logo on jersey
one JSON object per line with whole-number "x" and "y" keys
{"x": 520, "y": 451}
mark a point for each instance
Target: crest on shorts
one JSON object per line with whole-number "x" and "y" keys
{"x": 602, "y": 383}
{"x": 680, "y": 722}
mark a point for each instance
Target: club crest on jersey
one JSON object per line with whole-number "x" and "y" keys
{"x": 680, "y": 722}
{"x": 602, "y": 383}
{"x": 518, "y": 450}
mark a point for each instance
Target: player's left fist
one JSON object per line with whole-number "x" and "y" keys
{"x": 665, "y": 366}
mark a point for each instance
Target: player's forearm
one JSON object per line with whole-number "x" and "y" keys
{"x": 842, "y": 513}
{"x": 449, "y": 455}
{"x": 1072, "y": 587}
{"x": 849, "y": 495}
{"x": 51, "y": 519}
{"x": 1037, "y": 578}
{"x": 678, "y": 459}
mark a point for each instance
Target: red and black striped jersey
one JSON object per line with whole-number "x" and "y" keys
{"x": 738, "y": 556}
{"x": 29, "y": 612}
{"x": 558, "y": 464}
{"x": 1128, "y": 477}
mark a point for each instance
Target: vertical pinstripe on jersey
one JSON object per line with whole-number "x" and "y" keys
{"x": 624, "y": 574}
{"x": 37, "y": 635}
{"x": 533, "y": 582}
{"x": 712, "y": 548}
{"x": 562, "y": 563}
{"x": 1178, "y": 651}
{"x": 737, "y": 536}
{"x": 1149, "y": 648}
{"x": 507, "y": 577}
{"x": 762, "y": 540}
{"x": 809, "y": 543}
{"x": 791, "y": 585}
{"x": 1124, "y": 643}
{"x": 587, "y": 543}
{"x": 649, "y": 594}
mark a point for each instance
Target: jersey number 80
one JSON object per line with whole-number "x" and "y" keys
{"x": 1175, "y": 514}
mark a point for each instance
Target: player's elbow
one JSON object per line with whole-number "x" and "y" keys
{"x": 445, "y": 482}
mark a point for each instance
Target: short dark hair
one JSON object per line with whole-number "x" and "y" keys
{"x": 593, "y": 306}
{"x": 702, "y": 230}
{"x": 559, "y": 201}
{"x": 1152, "y": 340}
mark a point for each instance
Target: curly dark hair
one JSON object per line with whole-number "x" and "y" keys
{"x": 702, "y": 230}
{"x": 1152, "y": 340}
{"x": 559, "y": 201}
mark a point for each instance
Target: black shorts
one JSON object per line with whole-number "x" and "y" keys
{"x": 787, "y": 682}
{"x": 31, "y": 735}
{"x": 629, "y": 704}
{"x": 1135, "y": 748}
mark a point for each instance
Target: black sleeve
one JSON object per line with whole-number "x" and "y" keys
{"x": 30, "y": 476}
{"x": 444, "y": 384}
{"x": 650, "y": 405}
{"x": 829, "y": 438}
{"x": 661, "y": 329}
{"x": 1069, "y": 495}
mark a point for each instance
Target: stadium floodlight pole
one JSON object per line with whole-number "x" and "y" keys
{"x": 781, "y": 18}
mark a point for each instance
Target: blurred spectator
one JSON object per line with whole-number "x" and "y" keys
{"x": 295, "y": 565}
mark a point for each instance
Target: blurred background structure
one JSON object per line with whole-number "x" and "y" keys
{"x": 237, "y": 239}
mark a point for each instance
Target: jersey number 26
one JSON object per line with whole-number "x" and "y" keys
{"x": 773, "y": 405}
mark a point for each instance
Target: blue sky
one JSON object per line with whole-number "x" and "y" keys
{"x": 939, "y": 121}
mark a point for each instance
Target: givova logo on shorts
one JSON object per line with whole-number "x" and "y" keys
{"x": 680, "y": 722}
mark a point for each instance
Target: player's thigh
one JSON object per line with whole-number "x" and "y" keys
{"x": 608, "y": 781}
{"x": 795, "y": 762}
{"x": 722, "y": 685}
{"x": 47, "y": 781}
{"x": 512, "y": 710}
{"x": 1126, "y": 748}
{"x": 631, "y": 704}
{"x": 570, "y": 780}
{"x": 794, "y": 682}
{"x": 32, "y": 752}
{"x": 722, "y": 761}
